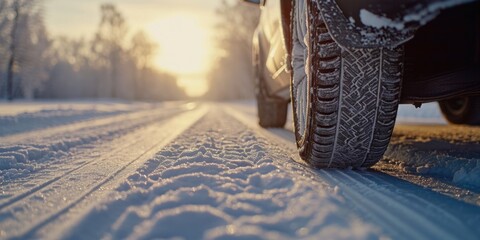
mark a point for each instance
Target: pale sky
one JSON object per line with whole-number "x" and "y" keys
{"x": 183, "y": 30}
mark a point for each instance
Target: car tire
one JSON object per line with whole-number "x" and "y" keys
{"x": 344, "y": 101}
{"x": 271, "y": 111}
{"x": 462, "y": 110}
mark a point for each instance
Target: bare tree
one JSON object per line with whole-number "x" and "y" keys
{"x": 4, "y": 22}
{"x": 4, "y": 43}
{"x": 74, "y": 51}
{"x": 231, "y": 74}
{"x": 108, "y": 42}
{"x": 19, "y": 36}
{"x": 32, "y": 56}
{"x": 17, "y": 5}
{"x": 142, "y": 50}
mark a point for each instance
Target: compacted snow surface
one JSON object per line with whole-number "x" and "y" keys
{"x": 187, "y": 170}
{"x": 217, "y": 180}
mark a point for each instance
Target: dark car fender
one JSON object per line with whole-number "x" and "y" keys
{"x": 374, "y": 23}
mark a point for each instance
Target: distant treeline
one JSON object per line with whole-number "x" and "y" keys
{"x": 232, "y": 74}
{"x": 109, "y": 64}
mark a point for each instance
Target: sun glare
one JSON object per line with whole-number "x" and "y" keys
{"x": 184, "y": 49}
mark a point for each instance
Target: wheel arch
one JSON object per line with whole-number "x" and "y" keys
{"x": 286, "y": 21}
{"x": 398, "y": 21}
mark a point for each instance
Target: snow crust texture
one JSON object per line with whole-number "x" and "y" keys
{"x": 451, "y": 153}
{"x": 225, "y": 182}
{"x": 56, "y": 134}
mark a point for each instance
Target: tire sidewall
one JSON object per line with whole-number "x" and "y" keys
{"x": 468, "y": 114}
{"x": 301, "y": 140}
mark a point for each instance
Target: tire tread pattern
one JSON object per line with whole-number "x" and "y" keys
{"x": 355, "y": 97}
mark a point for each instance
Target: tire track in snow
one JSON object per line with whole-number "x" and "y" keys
{"x": 23, "y": 157}
{"x": 224, "y": 178}
{"x": 38, "y": 187}
{"x": 27, "y": 121}
{"x": 444, "y": 159}
{"x": 390, "y": 207}
{"x": 218, "y": 180}
{"x": 404, "y": 214}
{"x": 54, "y": 132}
{"x": 448, "y": 219}
{"x": 52, "y": 151}
{"x": 24, "y": 217}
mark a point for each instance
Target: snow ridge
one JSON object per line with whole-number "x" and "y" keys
{"x": 47, "y": 118}
{"x": 450, "y": 153}
{"x": 225, "y": 182}
{"x": 25, "y": 153}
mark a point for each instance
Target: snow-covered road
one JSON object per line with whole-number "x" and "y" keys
{"x": 206, "y": 170}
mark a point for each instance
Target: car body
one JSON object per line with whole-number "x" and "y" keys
{"x": 431, "y": 75}
{"x": 435, "y": 44}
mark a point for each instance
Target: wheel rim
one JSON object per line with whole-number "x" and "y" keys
{"x": 300, "y": 65}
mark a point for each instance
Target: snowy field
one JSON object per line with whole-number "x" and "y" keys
{"x": 120, "y": 170}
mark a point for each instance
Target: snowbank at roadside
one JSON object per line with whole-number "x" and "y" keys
{"x": 451, "y": 153}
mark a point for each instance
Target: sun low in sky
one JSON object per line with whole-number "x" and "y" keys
{"x": 183, "y": 30}
{"x": 185, "y": 48}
